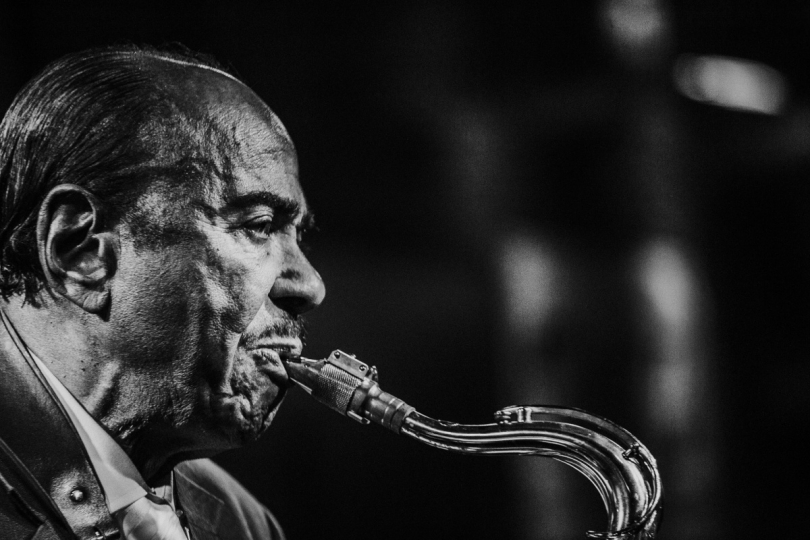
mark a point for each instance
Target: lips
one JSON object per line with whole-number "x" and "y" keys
{"x": 267, "y": 356}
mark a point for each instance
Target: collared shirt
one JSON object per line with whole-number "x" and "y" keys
{"x": 119, "y": 478}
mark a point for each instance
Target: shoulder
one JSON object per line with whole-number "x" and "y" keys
{"x": 215, "y": 501}
{"x": 209, "y": 476}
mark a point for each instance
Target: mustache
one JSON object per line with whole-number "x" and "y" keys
{"x": 287, "y": 326}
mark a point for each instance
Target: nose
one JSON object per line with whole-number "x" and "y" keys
{"x": 299, "y": 288}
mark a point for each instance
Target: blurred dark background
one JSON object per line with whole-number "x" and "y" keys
{"x": 601, "y": 204}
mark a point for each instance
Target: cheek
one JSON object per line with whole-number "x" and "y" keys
{"x": 237, "y": 286}
{"x": 153, "y": 311}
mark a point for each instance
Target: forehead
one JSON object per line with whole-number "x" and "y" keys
{"x": 259, "y": 156}
{"x": 247, "y": 145}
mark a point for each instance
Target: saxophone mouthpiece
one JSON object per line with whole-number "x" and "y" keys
{"x": 300, "y": 370}
{"x": 347, "y": 385}
{"x": 287, "y": 356}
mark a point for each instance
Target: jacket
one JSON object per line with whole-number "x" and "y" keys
{"x": 49, "y": 491}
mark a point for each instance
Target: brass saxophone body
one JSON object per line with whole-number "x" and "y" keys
{"x": 616, "y": 463}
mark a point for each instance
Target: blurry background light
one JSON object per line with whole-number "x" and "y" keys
{"x": 731, "y": 82}
{"x": 531, "y": 284}
{"x": 635, "y": 22}
{"x": 639, "y": 30}
{"x": 670, "y": 286}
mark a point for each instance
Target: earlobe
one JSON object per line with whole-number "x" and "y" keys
{"x": 77, "y": 252}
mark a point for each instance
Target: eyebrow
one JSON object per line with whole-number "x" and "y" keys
{"x": 285, "y": 209}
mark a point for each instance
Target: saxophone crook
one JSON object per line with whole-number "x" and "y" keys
{"x": 620, "y": 467}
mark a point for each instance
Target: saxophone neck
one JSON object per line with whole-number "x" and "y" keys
{"x": 620, "y": 467}
{"x": 616, "y": 463}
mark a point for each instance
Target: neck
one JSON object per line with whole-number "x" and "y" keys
{"x": 64, "y": 341}
{"x": 70, "y": 342}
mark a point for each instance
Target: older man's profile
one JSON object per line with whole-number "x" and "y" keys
{"x": 151, "y": 275}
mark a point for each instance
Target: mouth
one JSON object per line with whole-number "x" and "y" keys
{"x": 267, "y": 355}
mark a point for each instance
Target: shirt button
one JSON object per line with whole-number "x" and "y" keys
{"x": 78, "y": 495}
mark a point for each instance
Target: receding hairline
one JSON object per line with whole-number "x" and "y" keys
{"x": 186, "y": 63}
{"x": 274, "y": 122}
{"x": 120, "y": 102}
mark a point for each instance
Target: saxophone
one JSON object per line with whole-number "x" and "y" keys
{"x": 616, "y": 463}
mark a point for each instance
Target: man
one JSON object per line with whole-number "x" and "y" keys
{"x": 151, "y": 274}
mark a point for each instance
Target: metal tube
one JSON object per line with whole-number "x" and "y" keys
{"x": 623, "y": 471}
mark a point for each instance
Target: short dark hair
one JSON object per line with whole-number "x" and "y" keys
{"x": 97, "y": 119}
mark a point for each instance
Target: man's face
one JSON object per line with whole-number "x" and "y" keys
{"x": 203, "y": 313}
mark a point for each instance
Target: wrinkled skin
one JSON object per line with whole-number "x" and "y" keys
{"x": 166, "y": 321}
{"x": 201, "y": 314}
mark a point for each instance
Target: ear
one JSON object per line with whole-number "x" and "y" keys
{"x": 77, "y": 252}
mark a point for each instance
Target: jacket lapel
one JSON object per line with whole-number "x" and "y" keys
{"x": 45, "y": 532}
{"x": 36, "y": 428}
{"x": 204, "y": 510}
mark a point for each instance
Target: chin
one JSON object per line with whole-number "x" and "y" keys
{"x": 242, "y": 420}
{"x": 242, "y": 410}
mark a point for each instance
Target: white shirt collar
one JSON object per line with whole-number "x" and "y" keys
{"x": 119, "y": 478}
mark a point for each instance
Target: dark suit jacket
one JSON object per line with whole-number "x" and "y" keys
{"x": 48, "y": 489}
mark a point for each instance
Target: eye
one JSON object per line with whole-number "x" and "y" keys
{"x": 261, "y": 227}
